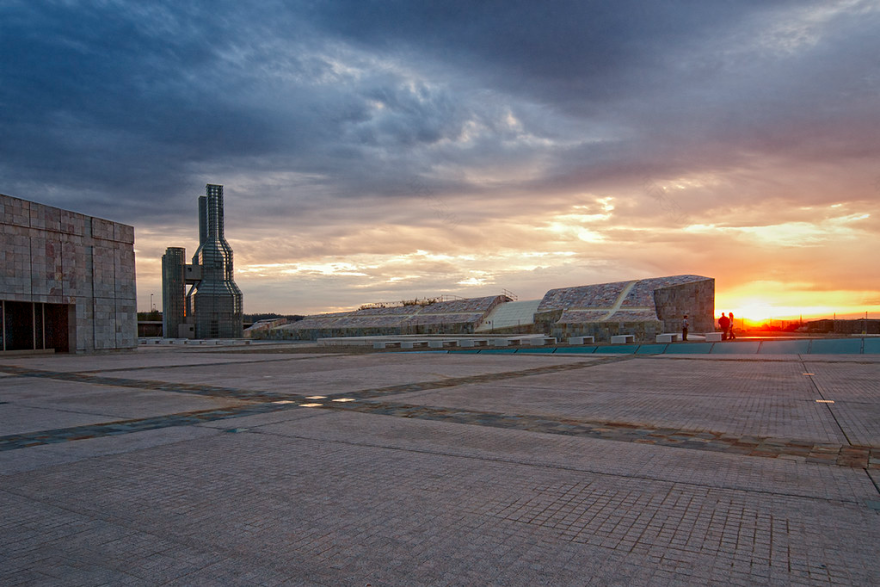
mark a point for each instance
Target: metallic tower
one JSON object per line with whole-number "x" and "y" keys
{"x": 173, "y": 291}
{"x": 213, "y": 305}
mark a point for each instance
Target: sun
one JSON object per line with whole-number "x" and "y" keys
{"x": 754, "y": 310}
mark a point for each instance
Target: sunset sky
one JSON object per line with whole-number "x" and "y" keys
{"x": 376, "y": 151}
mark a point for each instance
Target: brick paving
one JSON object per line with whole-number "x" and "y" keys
{"x": 173, "y": 467}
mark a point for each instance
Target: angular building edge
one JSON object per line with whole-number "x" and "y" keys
{"x": 67, "y": 280}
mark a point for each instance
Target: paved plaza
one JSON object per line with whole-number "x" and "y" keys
{"x": 288, "y": 465}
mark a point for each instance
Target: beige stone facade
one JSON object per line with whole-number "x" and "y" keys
{"x": 67, "y": 280}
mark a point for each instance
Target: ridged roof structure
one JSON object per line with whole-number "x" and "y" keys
{"x": 620, "y": 301}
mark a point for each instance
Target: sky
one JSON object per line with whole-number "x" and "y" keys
{"x": 380, "y": 151}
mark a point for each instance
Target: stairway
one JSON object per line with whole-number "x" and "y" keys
{"x": 510, "y": 314}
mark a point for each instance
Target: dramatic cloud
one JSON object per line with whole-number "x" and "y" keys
{"x": 373, "y": 151}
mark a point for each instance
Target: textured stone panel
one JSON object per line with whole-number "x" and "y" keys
{"x": 126, "y": 323}
{"x": 123, "y": 233}
{"x": 16, "y": 271}
{"x": 49, "y": 255}
{"x": 46, "y": 269}
{"x": 45, "y": 217}
{"x": 72, "y": 223}
{"x": 104, "y": 323}
{"x": 15, "y": 212}
{"x": 697, "y": 300}
{"x": 123, "y": 268}
{"x": 103, "y": 229}
{"x": 85, "y": 318}
{"x": 104, "y": 272}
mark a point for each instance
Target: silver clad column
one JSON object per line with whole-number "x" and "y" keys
{"x": 216, "y": 299}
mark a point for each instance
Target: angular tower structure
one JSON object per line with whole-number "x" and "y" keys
{"x": 213, "y": 306}
{"x": 173, "y": 291}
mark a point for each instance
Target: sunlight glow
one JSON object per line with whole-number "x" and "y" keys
{"x": 792, "y": 234}
{"x": 472, "y": 281}
{"x": 760, "y": 301}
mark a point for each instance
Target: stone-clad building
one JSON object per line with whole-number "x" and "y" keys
{"x": 67, "y": 280}
{"x": 643, "y": 308}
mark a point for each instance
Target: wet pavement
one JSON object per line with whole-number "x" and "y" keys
{"x": 185, "y": 466}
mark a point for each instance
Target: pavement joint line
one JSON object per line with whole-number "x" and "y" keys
{"x": 559, "y": 467}
{"x": 12, "y": 442}
{"x": 215, "y": 391}
{"x": 612, "y": 431}
{"x": 262, "y": 402}
{"x": 828, "y": 404}
{"x": 873, "y": 481}
{"x": 335, "y": 497}
{"x": 624, "y": 432}
{"x": 755, "y": 359}
{"x": 192, "y": 365}
{"x": 60, "y": 435}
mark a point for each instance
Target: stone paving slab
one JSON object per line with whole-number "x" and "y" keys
{"x": 519, "y": 478}
{"x": 49, "y": 455}
{"x": 60, "y": 404}
{"x": 398, "y": 517}
{"x": 143, "y": 359}
{"x": 326, "y": 375}
{"x": 766, "y": 417}
{"x": 638, "y": 461}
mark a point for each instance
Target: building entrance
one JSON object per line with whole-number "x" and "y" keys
{"x": 27, "y": 326}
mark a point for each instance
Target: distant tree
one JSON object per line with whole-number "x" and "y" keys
{"x": 270, "y": 316}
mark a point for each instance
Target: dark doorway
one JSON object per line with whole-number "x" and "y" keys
{"x": 28, "y": 326}
{"x": 57, "y": 332}
{"x": 18, "y": 326}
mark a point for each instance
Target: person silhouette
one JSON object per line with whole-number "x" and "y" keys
{"x": 684, "y": 328}
{"x": 724, "y": 323}
{"x": 730, "y": 334}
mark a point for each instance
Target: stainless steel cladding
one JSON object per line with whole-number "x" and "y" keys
{"x": 213, "y": 305}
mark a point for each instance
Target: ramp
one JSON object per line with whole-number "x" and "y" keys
{"x": 510, "y": 315}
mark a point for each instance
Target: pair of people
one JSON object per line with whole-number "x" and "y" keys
{"x": 726, "y": 324}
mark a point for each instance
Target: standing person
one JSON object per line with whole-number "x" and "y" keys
{"x": 730, "y": 334}
{"x": 724, "y": 323}
{"x": 684, "y": 328}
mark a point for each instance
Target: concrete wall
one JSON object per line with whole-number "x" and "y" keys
{"x": 696, "y": 299}
{"x": 55, "y": 256}
{"x": 642, "y": 330}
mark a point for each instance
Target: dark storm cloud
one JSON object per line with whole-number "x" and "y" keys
{"x": 337, "y": 120}
{"x": 116, "y": 96}
{"x": 106, "y": 97}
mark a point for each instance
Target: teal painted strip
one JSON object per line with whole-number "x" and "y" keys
{"x": 548, "y": 350}
{"x": 784, "y": 347}
{"x": 624, "y": 349}
{"x": 689, "y": 348}
{"x": 498, "y": 351}
{"x": 852, "y": 346}
{"x": 736, "y": 348}
{"x": 577, "y": 349}
{"x": 651, "y": 349}
{"x": 872, "y": 346}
